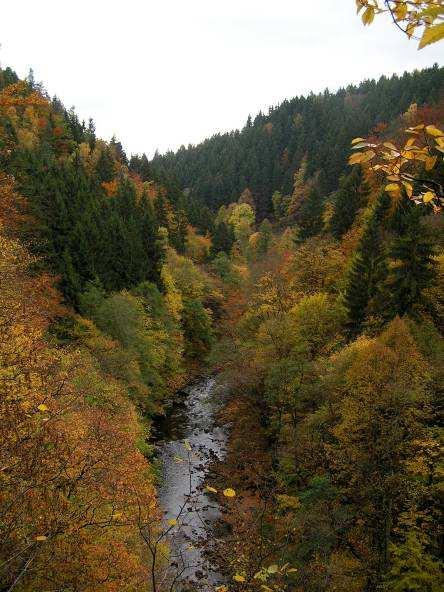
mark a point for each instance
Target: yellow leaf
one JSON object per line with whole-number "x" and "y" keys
{"x": 433, "y": 11}
{"x": 410, "y": 143}
{"x": 430, "y": 162}
{"x": 408, "y": 188}
{"x": 410, "y": 29}
{"x": 211, "y": 489}
{"x": 357, "y": 140}
{"x": 221, "y": 588}
{"x": 368, "y": 16}
{"x": 432, "y": 35}
{"x": 229, "y": 492}
{"x": 187, "y": 445}
{"x": 408, "y": 154}
{"x": 355, "y": 158}
{"x": 428, "y": 197}
{"x": 238, "y": 578}
{"x": 361, "y": 157}
{"x": 42, "y": 407}
{"x": 391, "y": 146}
{"x": 368, "y": 155}
{"x": 400, "y": 11}
{"x": 392, "y": 188}
{"x": 172, "y": 522}
{"x": 40, "y": 537}
{"x": 434, "y": 131}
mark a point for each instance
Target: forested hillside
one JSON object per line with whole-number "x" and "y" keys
{"x": 265, "y": 154}
{"x": 89, "y": 208}
{"x": 102, "y": 320}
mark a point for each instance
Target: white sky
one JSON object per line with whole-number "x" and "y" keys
{"x": 163, "y": 73}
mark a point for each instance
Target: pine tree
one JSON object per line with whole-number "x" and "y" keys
{"x": 366, "y": 279}
{"x": 414, "y": 266}
{"x": 105, "y": 166}
{"x": 309, "y": 216}
{"x": 223, "y": 238}
{"x": 347, "y": 201}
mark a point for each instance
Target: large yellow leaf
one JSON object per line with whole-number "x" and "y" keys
{"x": 434, "y": 131}
{"x": 368, "y": 16}
{"x": 428, "y": 197}
{"x": 433, "y": 11}
{"x": 368, "y": 155}
{"x": 431, "y": 35}
{"x": 355, "y": 158}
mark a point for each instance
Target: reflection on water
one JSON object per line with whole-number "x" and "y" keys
{"x": 191, "y": 425}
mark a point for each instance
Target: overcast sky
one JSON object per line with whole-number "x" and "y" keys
{"x": 171, "y": 72}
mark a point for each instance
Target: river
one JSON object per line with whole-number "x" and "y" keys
{"x": 191, "y": 439}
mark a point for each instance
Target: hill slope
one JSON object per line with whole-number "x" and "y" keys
{"x": 264, "y": 155}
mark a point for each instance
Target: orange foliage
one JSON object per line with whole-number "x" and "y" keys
{"x": 110, "y": 187}
{"x": 18, "y": 95}
{"x": 74, "y": 489}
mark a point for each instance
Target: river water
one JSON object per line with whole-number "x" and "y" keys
{"x": 191, "y": 439}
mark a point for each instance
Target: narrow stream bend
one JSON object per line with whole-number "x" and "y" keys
{"x": 191, "y": 438}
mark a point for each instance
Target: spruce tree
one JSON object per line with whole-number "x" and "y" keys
{"x": 223, "y": 238}
{"x": 309, "y": 216}
{"x": 105, "y": 166}
{"x": 349, "y": 198}
{"x": 414, "y": 267}
{"x": 365, "y": 287}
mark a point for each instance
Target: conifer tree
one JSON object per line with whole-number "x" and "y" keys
{"x": 368, "y": 271}
{"x": 309, "y": 217}
{"x": 223, "y": 238}
{"x": 414, "y": 267}
{"x": 105, "y": 166}
{"x": 349, "y": 198}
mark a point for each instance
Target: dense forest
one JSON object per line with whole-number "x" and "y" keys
{"x": 310, "y": 283}
{"x": 264, "y": 155}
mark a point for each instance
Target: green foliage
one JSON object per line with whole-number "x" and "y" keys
{"x": 91, "y": 218}
{"x": 414, "y": 269}
{"x": 364, "y": 294}
{"x": 265, "y": 155}
{"x": 150, "y": 354}
{"x": 197, "y": 328}
{"x": 412, "y": 568}
{"x": 309, "y": 217}
{"x": 347, "y": 201}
